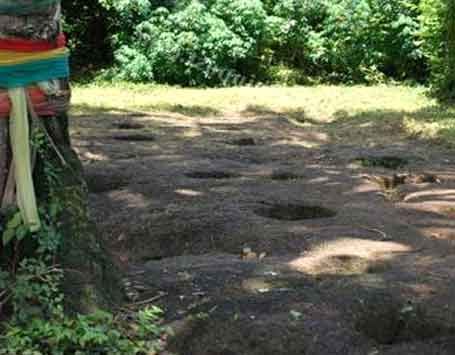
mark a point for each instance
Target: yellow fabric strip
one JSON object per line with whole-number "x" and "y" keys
{"x": 20, "y": 145}
{"x": 12, "y": 58}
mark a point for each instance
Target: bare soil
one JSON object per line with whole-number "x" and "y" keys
{"x": 337, "y": 264}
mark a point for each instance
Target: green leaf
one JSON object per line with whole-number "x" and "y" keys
{"x": 8, "y": 236}
{"x": 21, "y": 232}
{"x": 15, "y": 221}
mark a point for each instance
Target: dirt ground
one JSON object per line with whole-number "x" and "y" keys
{"x": 261, "y": 235}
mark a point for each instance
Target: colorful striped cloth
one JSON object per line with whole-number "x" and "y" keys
{"x": 19, "y": 132}
{"x": 29, "y": 63}
{"x": 11, "y": 58}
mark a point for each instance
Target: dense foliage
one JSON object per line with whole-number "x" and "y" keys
{"x": 221, "y": 42}
{"x": 88, "y": 24}
{"x": 432, "y": 34}
{"x": 438, "y": 38}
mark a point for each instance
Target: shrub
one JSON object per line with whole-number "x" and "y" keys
{"x": 196, "y": 45}
{"x": 438, "y": 38}
{"x": 366, "y": 39}
{"x": 221, "y": 42}
{"x": 297, "y": 34}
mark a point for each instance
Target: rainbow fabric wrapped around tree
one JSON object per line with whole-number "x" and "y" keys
{"x": 33, "y": 83}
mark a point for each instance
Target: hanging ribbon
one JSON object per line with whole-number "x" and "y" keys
{"x": 20, "y": 145}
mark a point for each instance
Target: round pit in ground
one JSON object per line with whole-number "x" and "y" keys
{"x": 211, "y": 175}
{"x": 294, "y": 212}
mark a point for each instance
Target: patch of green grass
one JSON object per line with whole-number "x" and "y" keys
{"x": 350, "y": 113}
{"x": 319, "y": 102}
{"x": 388, "y": 162}
{"x": 434, "y": 123}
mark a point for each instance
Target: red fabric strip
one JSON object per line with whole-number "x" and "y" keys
{"x": 25, "y": 45}
{"x": 39, "y": 101}
{"x": 5, "y": 104}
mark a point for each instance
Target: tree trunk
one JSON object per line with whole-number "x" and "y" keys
{"x": 90, "y": 279}
{"x": 44, "y": 25}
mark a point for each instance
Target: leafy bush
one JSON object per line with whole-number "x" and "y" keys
{"x": 438, "y": 37}
{"x": 369, "y": 39}
{"x": 174, "y": 47}
{"x": 297, "y": 37}
{"x": 221, "y": 42}
{"x": 196, "y": 45}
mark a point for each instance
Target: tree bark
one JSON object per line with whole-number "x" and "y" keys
{"x": 41, "y": 26}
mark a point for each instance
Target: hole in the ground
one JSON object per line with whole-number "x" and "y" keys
{"x": 242, "y": 335}
{"x": 137, "y": 114}
{"x": 378, "y": 267}
{"x": 385, "y": 161}
{"x": 293, "y": 212}
{"x": 284, "y": 175}
{"x": 139, "y": 137}
{"x": 211, "y": 175}
{"x": 243, "y": 142}
{"x": 233, "y": 128}
{"x": 388, "y": 320}
{"x": 99, "y": 183}
{"x": 152, "y": 258}
{"x": 345, "y": 258}
{"x": 128, "y": 125}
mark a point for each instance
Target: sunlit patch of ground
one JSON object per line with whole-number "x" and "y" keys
{"x": 347, "y": 256}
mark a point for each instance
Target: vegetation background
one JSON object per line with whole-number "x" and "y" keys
{"x": 232, "y": 42}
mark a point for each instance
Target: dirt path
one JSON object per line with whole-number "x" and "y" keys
{"x": 339, "y": 263}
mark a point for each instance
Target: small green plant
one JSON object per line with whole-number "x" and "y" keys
{"x": 98, "y": 333}
{"x": 388, "y": 162}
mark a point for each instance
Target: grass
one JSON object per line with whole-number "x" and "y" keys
{"x": 348, "y": 112}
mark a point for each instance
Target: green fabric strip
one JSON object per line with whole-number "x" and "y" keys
{"x": 18, "y": 75}
{"x": 22, "y": 7}
{"x": 20, "y": 145}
